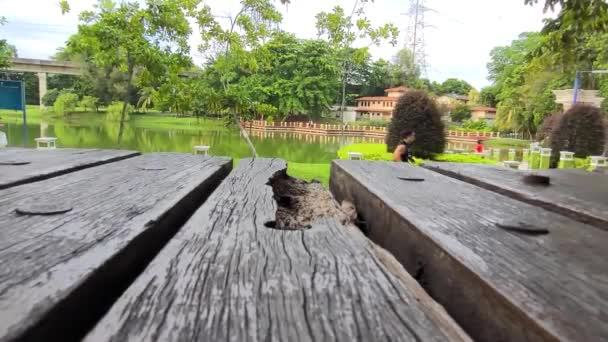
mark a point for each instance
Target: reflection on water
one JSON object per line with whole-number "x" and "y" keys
{"x": 295, "y": 147}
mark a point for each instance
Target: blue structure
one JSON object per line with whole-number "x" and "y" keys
{"x": 12, "y": 96}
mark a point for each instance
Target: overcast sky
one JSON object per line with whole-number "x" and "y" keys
{"x": 458, "y": 37}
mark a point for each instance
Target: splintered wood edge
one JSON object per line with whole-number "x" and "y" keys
{"x": 430, "y": 307}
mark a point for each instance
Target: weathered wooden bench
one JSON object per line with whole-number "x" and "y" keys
{"x": 484, "y": 256}
{"x": 21, "y": 166}
{"x": 234, "y": 272}
{"x": 580, "y": 195}
{"x": 61, "y": 272}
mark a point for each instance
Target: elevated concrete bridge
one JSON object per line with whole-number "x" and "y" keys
{"x": 43, "y": 67}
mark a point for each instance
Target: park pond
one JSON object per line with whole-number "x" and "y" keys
{"x": 155, "y": 133}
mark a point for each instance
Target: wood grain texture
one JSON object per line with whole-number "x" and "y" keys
{"x": 226, "y": 277}
{"x": 498, "y": 285}
{"x": 61, "y": 272}
{"x": 581, "y": 196}
{"x": 43, "y": 164}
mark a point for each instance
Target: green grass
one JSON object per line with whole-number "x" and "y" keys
{"x": 506, "y": 143}
{"x": 370, "y": 151}
{"x": 463, "y": 158}
{"x": 309, "y": 171}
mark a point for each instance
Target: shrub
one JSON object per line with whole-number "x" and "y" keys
{"x": 463, "y": 158}
{"x": 89, "y": 103}
{"x": 580, "y": 130}
{"x": 115, "y": 110}
{"x": 460, "y": 113}
{"x": 475, "y": 125}
{"x": 547, "y": 126}
{"x": 369, "y": 151}
{"x": 65, "y": 103}
{"x": 417, "y": 112}
{"x": 50, "y": 97}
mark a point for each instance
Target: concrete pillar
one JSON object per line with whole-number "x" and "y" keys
{"x": 41, "y": 87}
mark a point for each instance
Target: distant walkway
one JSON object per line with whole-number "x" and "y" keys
{"x": 352, "y": 130}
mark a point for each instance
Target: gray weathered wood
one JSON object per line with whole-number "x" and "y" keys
{"x": 581, "y": 196}
{"x": 227, "y": 277}
{"x": 60, "y": 272}
{"x": 500, "y": 285}
{"x": 23, "y": 165}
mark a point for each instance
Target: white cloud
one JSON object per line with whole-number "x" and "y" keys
{"x": 458, "y": 39}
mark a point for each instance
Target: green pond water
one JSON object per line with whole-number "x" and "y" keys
{"x": 299, "y": 148}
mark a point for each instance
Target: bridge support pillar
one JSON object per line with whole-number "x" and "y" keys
{"x": 41, "y": 87}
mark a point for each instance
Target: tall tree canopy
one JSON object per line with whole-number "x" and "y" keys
{"x": 455, "y": 86}
{"x": 140, "y": 42}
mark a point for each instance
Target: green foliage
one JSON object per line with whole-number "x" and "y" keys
{"x": 580, "y": 130}
{"x": 455, "y": 86}
{"x": 65, "y": 103}
{"x": 417, "y": 112}
{"x": 523, "y": 85}
{"x": 7, "y": 52}
{"x": 475, "y": 125}
{"x": 114, "y": 111}
{"x": 89, "y": 103}
{"x": 460, "y": 113}
{"x": 137, "y": 44}
{"x": 487, "y": 96}
{"x": 369, "y": 151}
{"x": 343, "y": 30}
{"x": 474, "y": 96}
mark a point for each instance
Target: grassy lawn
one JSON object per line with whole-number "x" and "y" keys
{"x": 309, "y": 171}
{"x": 506, "y": 143}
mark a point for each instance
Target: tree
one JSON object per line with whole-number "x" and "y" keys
{"x": 473, "y": 96}
{"x": 580, "y": 130}
{"x": 338, "y": 28}
{"x": 405, "y": 69}
{"x": 416, "y": 111}
{"x": 65, "y": 103}
{"x": 302, "y": 75}
{"x": 140, "y": 43}
{"x": 487, "y": 96}
{"x": 379, "y": 76}
{"x": 7, "y": 52}
{"x": 89, "y": 103}
{"x": 523, "y": 85}
{"x": 252, "y": 23}
{"x": 455, "y": 86}
{"x": 50, "y": 97}
{"x": 460, "y": 113}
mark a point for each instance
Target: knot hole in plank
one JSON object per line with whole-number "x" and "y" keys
{"x": 300, "y": 203}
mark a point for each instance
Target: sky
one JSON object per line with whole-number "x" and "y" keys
{"x": 458, "y": 36}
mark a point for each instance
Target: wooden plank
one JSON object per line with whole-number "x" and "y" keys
{"x": 226, "y": 276}
{"x": 61, "y": 272}
{"x": 20, "y": 165}
{"x": 581, "y": 196}
{"x": 499, "y": 285}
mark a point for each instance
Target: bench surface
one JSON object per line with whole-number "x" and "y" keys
{"x": 580, "y": 195}
{"x": 226, "y": 276}
{"x": 498, "y": 284}
{"x": 60, "y": 272}
{"x": 21, "y": 165}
